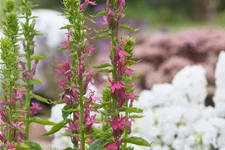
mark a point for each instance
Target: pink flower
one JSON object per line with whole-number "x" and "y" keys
{"x": 86, "y": 3}
{"x": 113, "y": 146}
{"x": 65, "y": 43}
{"x": 34, "y": 66}
{"x": 122, "y": 54}
{"x": 62, "y": 83}
{"x": 104, "y": 22}
{"x": 89, "y": 50}
{"x": 87, "y": 81}
{"x": 11, "y": 146}
{"x": 129, "y": 71}
{"x": 110, "y": 17}
{"x": 119, "y": 123}
{"x": 90, "y": 122}
{"x": 121, "y": 4}
{"x": 65, "y": 68}
{"x": 35, "y": 108}
{"x": 115, "y": 85}
{"x": 80, "y": 72}
{"x": 75, "y": 95}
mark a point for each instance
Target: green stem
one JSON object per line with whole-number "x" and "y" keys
{"x": 29, "y": 69}
{"x": 10, "y": 111}
{"x": 126, "y": 127}
{"x": 82, "y": 138}
{"x": 27, "y": 104}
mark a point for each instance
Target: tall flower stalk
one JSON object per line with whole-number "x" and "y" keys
{"x": 11, "y": 127}
{"x": 118, "y": 98}
{"x": 29, "y": 66}
{"x": 78, "y": 98}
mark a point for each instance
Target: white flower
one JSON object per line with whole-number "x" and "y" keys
{"x": 61, "y": 143}
{"x": 191, "y": 83}
{"x": 178, "y": 143}
{"x": 220, "y": 71}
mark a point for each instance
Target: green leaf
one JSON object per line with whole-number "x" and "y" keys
{"x": 136, "y": 116}
{"x": 41, "y": 99}
{"x": 137, "y": 141}
{"x": 71, "y": 135}
{"x": 102, "y": 133}
{"x": 65, "y": 114}
{"x": 35, "y": 81}
{"x": 102, "y": 66}
{"x": 72, "y": 54}
{"x": 56, "y": 127}
{"x": 89, "y": 19}
{"x": 128, "y": 28}
{"x": 22, "y": 146}
{"x": 134, "y": 110}
{"x": 101, "y": 36}
{"x": 33, "y": 145}
{"x": 99, "y": 144}
{"x": 42, "y": 121}
{"x": 67, "y": 26}
{"x": 101, "y": 13}
{"x": 38, "y": 57}
{"x": 69, "y": 148}
{"x": 105, "y": 70}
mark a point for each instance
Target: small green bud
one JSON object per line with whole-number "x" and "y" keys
{"x": 9, "y": 6}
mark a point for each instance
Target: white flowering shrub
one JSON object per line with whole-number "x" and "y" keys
{"x": 175, "y": 116}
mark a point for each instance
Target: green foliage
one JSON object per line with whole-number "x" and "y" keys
{"x": 99, "y": 144}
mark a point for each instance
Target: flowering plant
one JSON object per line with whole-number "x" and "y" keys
{"x": 82, "y": 109}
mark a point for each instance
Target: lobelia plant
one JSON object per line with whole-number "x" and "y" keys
{"x": 15, "y": 115}
{"x": 11, "y": 126}
{"x": 81, "y": 104}
{"x": 117, "y": 106}
{"x": 78, "y": 113}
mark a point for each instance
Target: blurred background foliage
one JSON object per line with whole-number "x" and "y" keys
{"x": 171, "y": 13}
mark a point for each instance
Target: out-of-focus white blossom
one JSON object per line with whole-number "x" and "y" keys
{"x": 175, "y": 116}
{"x": 191, "y": 83}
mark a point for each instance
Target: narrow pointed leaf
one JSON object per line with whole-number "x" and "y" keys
{"x": 99, "y": 144}
{"x": 38, "y": 57}
{"x": 128, "y": 28}
{"x": 56, "y": 127}
{"x": 42, "y": 121}
{"x": 102, "y": 66}
{"x": 137, "y": 141}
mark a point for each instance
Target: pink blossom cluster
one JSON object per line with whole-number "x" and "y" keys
{"x": 75, "y": 82}
{"x": 120, "y": 69}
